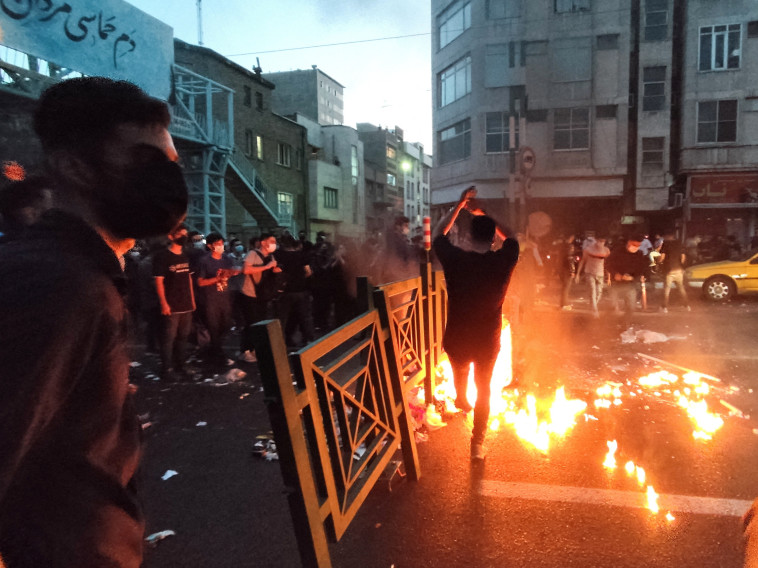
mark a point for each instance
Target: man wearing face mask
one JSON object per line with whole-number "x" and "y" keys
{"x": 69, "y": 435}
{"x": 213, "y": 275}
{"x": 173, "y": 284}
{"x": 628, "y": 268}
{"x": 255, "y": 305}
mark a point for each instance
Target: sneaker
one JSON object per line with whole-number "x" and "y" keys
{"x": 478, "y": 453}
{"x": 248, "y": 356}
{"x": 664, "y": 310}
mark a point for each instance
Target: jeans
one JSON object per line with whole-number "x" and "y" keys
{"x": 175, "y": 330}
{"x": 253, "y": 311}
{"x": 596, "y": 289}
{"x": 218, "y": 318}
{"x": 482, "y": 378}
{"x": 674, "y": 277}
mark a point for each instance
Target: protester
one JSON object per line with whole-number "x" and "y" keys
{"x": 323, "y": 262}
{"x": 476, "y": 284}
{"x": 673, "y": 261}
{"x": 214, "y": 271}
{"x": 22, "y": 203}
{"x": 628, "y": 268}
{"x": 255, "y": 305}
{"x": 294, "y": 306}
{"x": 567, "y": 268}
{"x": 593, "y": 265}
{"x": 69, "y": 435}
{"x": 400, "y": 259}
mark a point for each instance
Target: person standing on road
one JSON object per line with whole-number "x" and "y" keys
{"x": 173, "y": 285}
{"x": 593, "y": 265}
{"x": 70, "y": 439}
{"x": 476, "y": 281}
{"x": 672, "y": 261}
{"x": 214, "y": 271}
{"x": 628, "y": 268}
{"x": 255, "y": 307}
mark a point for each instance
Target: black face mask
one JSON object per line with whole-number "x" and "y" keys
{"x": 146, "y": 199}
{"x": 181, "y": 241}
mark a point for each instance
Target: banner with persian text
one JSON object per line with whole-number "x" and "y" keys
{"x": 723, "y": 188}
{"x": 94, "y": 37}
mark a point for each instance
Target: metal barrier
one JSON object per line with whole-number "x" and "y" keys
{"x": 339, "y": 407}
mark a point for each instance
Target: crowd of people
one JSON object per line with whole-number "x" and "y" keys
{"x": 196, "y": 289}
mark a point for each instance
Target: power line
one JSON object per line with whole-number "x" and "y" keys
{"x": 329, "y": 44}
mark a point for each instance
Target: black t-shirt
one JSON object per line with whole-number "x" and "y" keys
{"x": 623, "y": 262}
{"x": 177, "y": 281}
{"x": 673, "y": 260}
{"x": 208, "y": 267}
{"x": 476, "y": 286}
{"x": 293, "y": 263}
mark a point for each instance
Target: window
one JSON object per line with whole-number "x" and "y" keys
{"x": 453, "y": 21}
{"x": 284, "y": 155}
{"x": 752, "y": 29}
{"x": 720, "y": 47}
{"x": 248, "y": 94}
{"x": 330, "y": 198}
{"x": 571, "y": 129}
{"x": 354, "y": 166}
{"x": 285, "y": 207}
{"x": 391, "y": 179}
{"x": 656, "y": 20}
{"x": 606, "y": 111}
{"x": 572, "y": 6}
{"x": 498, "y": 9}
{"x": 455, "y": 81}
{"x": 259, "y": 147}
{"x": 497, "y": 136}
{"x": 607, "y": 41}
{"x": 455, "y": 142}
{"x": 571, "y": 60}
{"x": 391, "y": 152}
{"x": 717, "y": 121}
{"x": 258, "y": 100}
{"x": 248, "y": 143}
{"x": 654, "y": 88}
{"x": 652, "y": 155}
{"x": 496, "y": 65}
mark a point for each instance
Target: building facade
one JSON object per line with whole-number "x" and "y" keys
{"x": 266, "y": 178}
{"x": 310, "y": 92}
{"x": 613, "y": 116}
{"x": 416, "y": 167}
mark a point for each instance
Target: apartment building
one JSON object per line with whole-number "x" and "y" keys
{"x": 310, "y": 92}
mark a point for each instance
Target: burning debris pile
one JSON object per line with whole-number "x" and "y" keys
{"x": 539, "y": 423}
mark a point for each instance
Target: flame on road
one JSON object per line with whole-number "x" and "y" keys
{"x": 538, "y": 422}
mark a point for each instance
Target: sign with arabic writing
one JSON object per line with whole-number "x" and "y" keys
{"x": 737, "y": 187}
{"x": 94, "y": 37}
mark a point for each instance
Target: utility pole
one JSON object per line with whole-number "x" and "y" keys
{"x": 199, "y": 22}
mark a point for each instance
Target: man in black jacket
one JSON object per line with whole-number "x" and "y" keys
{"x": 69, "y": 435}
{"x": 628, "y": 269}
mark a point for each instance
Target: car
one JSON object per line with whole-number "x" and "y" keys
{"x": 723, "y": 280}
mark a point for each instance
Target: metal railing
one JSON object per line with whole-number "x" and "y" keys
{"x": 339, "y": 424}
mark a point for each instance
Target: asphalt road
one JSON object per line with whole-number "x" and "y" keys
{"x": 523, "y": 506}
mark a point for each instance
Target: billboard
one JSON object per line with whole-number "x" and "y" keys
{"x": 723, "y": 188}
{"x": 94, "y": 37}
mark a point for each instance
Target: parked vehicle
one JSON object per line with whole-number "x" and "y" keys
{"x": 721, "y": 281}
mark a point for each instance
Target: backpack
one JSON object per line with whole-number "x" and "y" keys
{"x": 271, "y": 284}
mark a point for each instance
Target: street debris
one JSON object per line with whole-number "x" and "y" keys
{"x": 265, "y": 447}
{"x": 146, "y": 425}
{"x": 645, "y": 336}
{"x": 234, "y": 375}
{"x": 169, "y": 474}
{"x": 135, "y": 364}
{"x": 153, "y": 540}
{"x": 201, "y": 423}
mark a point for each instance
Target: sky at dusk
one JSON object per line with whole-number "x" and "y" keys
{"x": 387, "y": 82}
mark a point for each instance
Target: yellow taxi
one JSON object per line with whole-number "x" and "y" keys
{"x": 721, "y": 281}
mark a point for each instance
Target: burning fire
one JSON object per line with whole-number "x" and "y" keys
{"x": 538, "y": 422}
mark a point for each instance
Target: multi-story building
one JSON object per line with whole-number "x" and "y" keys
{"x": 416, "y": 167}
{"x": 336, "y": 191}
{"x": 266, "y": 177}
{"x": 310, "y": 92}
{"x": 718, "y": 159}
{"x": 634, "y": 112}
{"x": 550, "y": 75}
{"x": 382, "y": 149}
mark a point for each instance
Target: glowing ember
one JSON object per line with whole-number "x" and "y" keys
{"x": 610, "y": 459}
{"x": 629, "y": 467}
{"x": 669, "y": 517}
{"x": 652, "y": 499}
{"x": 640, "y": 475}
{"x": 14, "y": 171}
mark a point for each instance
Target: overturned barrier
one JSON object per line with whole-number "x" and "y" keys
{"x": 339, "y": 406}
